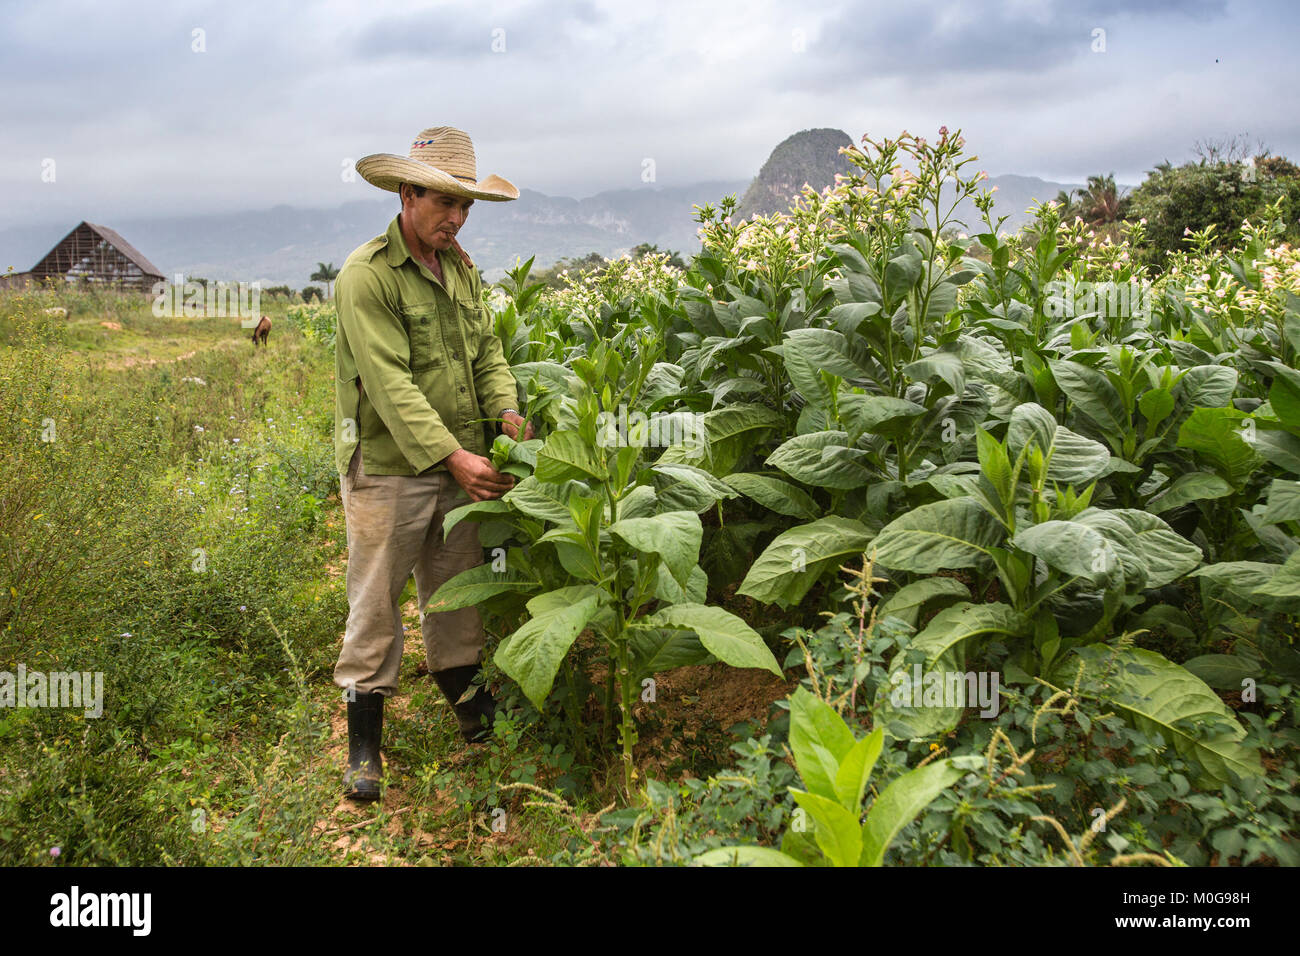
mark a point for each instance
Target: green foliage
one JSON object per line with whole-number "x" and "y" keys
{"x": 835, "y": 767}
{"x": 605, "y": 540}
{"x": 1178, "y": 200}
{"x": 318, "y": 321}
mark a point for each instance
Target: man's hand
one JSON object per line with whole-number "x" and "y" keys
{"x": 476, "y": 475}
{"x": 511, "y": 423}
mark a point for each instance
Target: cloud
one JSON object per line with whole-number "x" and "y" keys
{"x": 927, "y": 41}
{"x": 582, "y": 94}
{"x": 539, "y": 30}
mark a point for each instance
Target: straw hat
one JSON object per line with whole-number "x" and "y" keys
{"x": 441, "y": 158}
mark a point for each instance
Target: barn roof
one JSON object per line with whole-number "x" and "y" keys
{"x": 128, "y": 250}
{"x": 58, "y": 260}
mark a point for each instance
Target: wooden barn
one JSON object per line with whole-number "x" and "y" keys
{"x": 93, "y": 253}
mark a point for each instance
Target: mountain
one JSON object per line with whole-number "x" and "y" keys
{"x": 557, "y": 227}
{"x": 811, "y": 156}
{"x": 282, "y": 245}
{"x": 1015, "y": 196}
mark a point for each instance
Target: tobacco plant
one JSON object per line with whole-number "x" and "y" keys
{"x": 835, "y": 768}
{"x": 609, "y": 539}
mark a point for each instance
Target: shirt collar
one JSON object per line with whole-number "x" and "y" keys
{"x": 399, "y": 251}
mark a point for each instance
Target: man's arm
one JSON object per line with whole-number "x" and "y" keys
{"x": 382, "y": 352}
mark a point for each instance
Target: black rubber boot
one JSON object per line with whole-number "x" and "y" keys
{"x": 476, "y": 714}
{"x": 365, "y": 729}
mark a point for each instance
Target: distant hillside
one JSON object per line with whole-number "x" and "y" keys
{"x": 556, "y": 227}
{"x": 282, "y": 245}
{"x": 1015, "y": 196}
{"x": 811, "y": 156}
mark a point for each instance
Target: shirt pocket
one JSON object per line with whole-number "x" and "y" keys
{"x": 422, "y": 330}
{"x": 471, "y": 323}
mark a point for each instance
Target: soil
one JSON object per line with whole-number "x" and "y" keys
{"x": 693, "y": 703}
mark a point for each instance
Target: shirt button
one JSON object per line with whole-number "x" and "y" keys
{"x": 424, "y": 320}
{"x": 462, "y": 388}
{"x": 455, "y": 355}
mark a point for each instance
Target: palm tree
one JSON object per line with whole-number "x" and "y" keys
{"x": 1069, "y": 208}
{"x": 1100, "y": 200}
{"x": 325, "y": 272}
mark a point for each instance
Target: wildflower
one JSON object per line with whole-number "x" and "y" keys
{"x": 56, "y": 851}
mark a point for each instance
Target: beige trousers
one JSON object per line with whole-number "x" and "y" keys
{"x": 394, "y": 525}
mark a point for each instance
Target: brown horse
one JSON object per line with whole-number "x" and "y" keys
{"x": 262, "y": 331}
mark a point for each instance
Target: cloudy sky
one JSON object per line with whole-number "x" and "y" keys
{"x": 137, "y": 109}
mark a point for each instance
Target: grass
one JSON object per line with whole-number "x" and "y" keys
{"x": 170, "y": 535}
{"x": 182, "y": 534}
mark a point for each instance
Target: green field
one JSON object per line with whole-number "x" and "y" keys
{"x": 1040, "y": 460}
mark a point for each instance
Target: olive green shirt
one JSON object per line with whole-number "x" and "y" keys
{"x": 424, "y": 355}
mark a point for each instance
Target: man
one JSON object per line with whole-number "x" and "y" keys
{"x": 416, "y": 362}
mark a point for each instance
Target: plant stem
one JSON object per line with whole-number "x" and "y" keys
{"x": 627, "y": 728}
{"x": 608, "y": 724}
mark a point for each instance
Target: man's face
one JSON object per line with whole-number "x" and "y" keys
{"x": 435, "y": 217}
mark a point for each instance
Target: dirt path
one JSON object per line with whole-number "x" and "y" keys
{"x": 135, "y": 361}
{"x": 350, "y": 826}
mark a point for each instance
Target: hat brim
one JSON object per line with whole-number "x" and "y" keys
{"x": 389, "y": 171}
